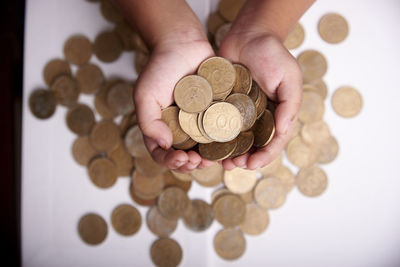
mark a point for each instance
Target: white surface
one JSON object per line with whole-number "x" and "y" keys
{"x": 355, "y": 223}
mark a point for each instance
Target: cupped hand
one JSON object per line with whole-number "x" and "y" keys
{"x": 169, "y": 62}
{"x": 278, "y": 74}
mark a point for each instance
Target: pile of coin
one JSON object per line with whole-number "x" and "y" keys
{"x": 221, "y": 110}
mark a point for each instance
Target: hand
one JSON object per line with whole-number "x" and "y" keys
{"x": 170, "y": 60}
{"x": 278, "y": 74}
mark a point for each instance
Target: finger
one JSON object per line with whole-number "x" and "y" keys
{"x": 228, "y": 164}
{"x": 205, "y": 163}
{"x": 241, "y": 161}
{"x": 170, "y": 158}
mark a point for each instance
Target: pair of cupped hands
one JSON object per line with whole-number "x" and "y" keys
{"x": 179, "y": 54}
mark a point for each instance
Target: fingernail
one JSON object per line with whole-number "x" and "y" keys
{"x": 190, "y": 166}
{"x": 287, "y": 126}
{"x": 162, "y": 143}
{"x": 179, "y": 163}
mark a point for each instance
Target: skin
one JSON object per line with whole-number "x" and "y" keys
{"x": 178, "y": 45}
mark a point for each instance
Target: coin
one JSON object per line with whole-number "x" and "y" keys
{"x": 347, "y": 102}
{"x": 125, "y": 33}
{"x": 193, "y": 94}
{"x": 198, "y": 216}
{"x": 328, "y": 151}
{"x": 126, "y": 219}
{"x": 315, "y": 133}
{"x": 65, "y": 90}
{"x": 141, "y": 60}
{"x": 214, "y": 21}
{"x": 299, "y": 153}
{"x": 256, "y": 220}
{"x": 120, "y": 99}
{"x": 172, "y": 202}
{"x": 240, "y": 181}
{"x": 295, "y": 37}
{"x": 220, "y": 73}
{"x": 229, "y": 243}
{"x": 270, "y": 193}
{"x": 92, "y": 229}
{"x": 158, "y": 224}
{"x": 185, "y": 177}
{"x": 100, "y": 101}
{"x": 317, "y": 86}
{"x": 102, "y": 172}
{"x": 210, "y": 176}
{"x": 243, "y": 80}
{"x": 222, "y": 122}
{"x": 166, "y": 252}
{"x": 54, "y": 68}
{"x": 254, "y": 91}
{"x": 78, "y": 49}
{"x": 129, "y": 120}
{"x": 229, "y": 210}
{"x": 219, "y": 193}
{"x": 272, "y": 166}
{"x": 170, "y": 116}
{"x": 312, "y": 108}
{"x": 122, "y": 159}
{"x": 333, "y": 28}
{"x": 105, "y": 136}
{"x": 89, "y": 78}
{"x": 244, "y": 141}
{"x": 110, "y": 12}
{"x": 201, "y": 128}
{"x": 140, "y": 201}
{"x": 247, "y": 197}
{"x": 221, "y": 32}
{"x": 190, "y": 143}
{"x": 139, "y": 44}
{"x": 230, "y": 8}
{"x": 261, "y": 104}
{"x": 313, "y": 64}
{"x": 42, "y": 103}
{"x": 217, "y": 151}
{"x": 296, "y": 129}
{"x": 148, "y": 167}
{"x": 246, "y": 108}
{"x": 107, "y": 46}
{"x": 286, "y": 176}
{"x": 147, "y": 187}
{"x": 171, "y": 180}
{"x": 264, "y": 129}
{"x": 80, "y": 119}
{"x": 311, "y": 181}
{"x": 83, "y": 151}
{"x": 134, "y": 142}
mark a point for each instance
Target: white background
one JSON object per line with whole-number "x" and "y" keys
{"x": 355, "y": 223}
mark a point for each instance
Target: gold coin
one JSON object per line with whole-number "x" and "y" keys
{"x": 185, "y": 177}
{"x": 219, "y": 193}
{"x": 243, "y": 80}
{"x": 54, "y": 68}
{"x": 246, "y": 108}
{"x": 214, "y": 21}
{"x": 198, "y": 216}
{"x": 312, "y": 108}
{"x": 120, "y": 99}
{"x": 110, "y": 12}
{"x": 333, "y": 28}
{"x": 220, "y": 73}
{"x": 170, "y": 116}
{"x": 172, "y": 202}
{"x": 272, "y": 166}
{"x": 166, "y": 252}
{"x": 89, "y": 78}
{"x": 127, "y": 121}
{"x": 139, "y": 44}
{"x": 299, "y": 153}
{"x": 107, "y": 46}
{"x": 286, "y": 176}
{"x": 193, "y": 94}
{"x": 318, "y": 86}
{"x": 210, "y": 176}
{"x": 125, "y": 33}
{"x": 141, "y": 60}
{"x": 147, "y": 187}
{"x": 171, "y": 180}
{"x": 103, "y": 172}
{"x": 247, "y": 197}
{"x": 92, "y": 229}
{"x": 229, "y": 210}
{"x": 271, "y": 106}
{"x": 256, "y": 220}
{"x": 328, "y": 151}
{"x": 217, "y": 151}
{"x": 105, "y": 136}
{"x": 78, "y": 49}
{"x": 42, "y": 103}
{"x": 312, "y": 88}
{"x": 126, "y": 219}
{"x": 313, "y": 64}
{"x": 66, "y": 90}
{"x": 134, "y": 142}
{"x": 315, "y": 133}
{"x": 221, "y": 32}
{"x": 296, "y": 129}
{"x": 240, "y": 181}
{"x": 188, "y": 144}
{"x": 261, "y": 104}
{"x": 201, "y": 129}
{"x": 158, "y": 224}
{"x": 148, "y": 167}
{"x": 229, "y": 244}
{"x": 311, "y": 181}
{"x": 83, "y": 151}
{"x": 264, "y": 129}
{"x": 347, "y": 102}
{"x": 295, "y": 37}
{"x": 100, "y": 100}
{"x": 270, "y": 193}
{"x": 222, "y": 122}
{"x": 122, "y": 159}
{"x": 254, "y": 91}
{"x": 230, "y": 8}
{"x": 80, "y": 119}
{"x": 141, "y": 201}
{"x": 244, "y": 141}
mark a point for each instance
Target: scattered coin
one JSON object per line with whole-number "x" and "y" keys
{"x": 328, "y": 151}
{"x": 256, "y": 220}
{"x": 107, "y": 46}
{"x": 166, "y": 252}
{"x": 134, "y": 142}
{"x": 126, "y": 219}
{"x": 210, "y": 176}
{"x": 311, "y": 181}
{"x": 240, "y": 181}
{"x": 80, "y": 119}
{"x": 218, "y": 193}
{"x": 110, "y": 12}
{"x": 172, "y": 202}
{"x": 315, "y": 133}
{"x": 333, "y": 28}
{"x": 312, "y": 108}
{"x": 229, "y": 244}
{"x": 78, "y": 49}
{"x": 65, "y": 90}
{"x": 272, "y": 166}
{"x": 214, "y": 22}
{"x": 221, "y": 32}
{"x": 185, "y": 177}
{"x": 246, "y": 108}
{"x": 145, "y": 187}
{"x": 42, "y": 103}
{"x": 105, "y": 136}
{"x": 139, "y": 44}
{"x": 127, "y": 121}
{"x": 270, "y": 193}
{"x": 299, "y": 153}
{"x": 89, "y": 78}
{"x": 229, "y": 210}
{"x": 244, "y": 141}
{"x": 171, "y": 180}
{"x": 170, "y": 116}
{"x": 140, "y": 201}
{"x": 247, "y": 197}
{"x": 313, "y": 64}
{"x": 83, "y": 151}
{"x": 316, "y": 86}
{"x": 141, "y": 60}
{"x": 286, "y": 176}
{"x": 158, "y": 224}
{"x": 230, "y": 8}
{"x": 264, "y": 129}
{"x": 295, "y": 37}
{"x": 217, "y": 151}
{"x": 100, "y": 101}
{"x": 92, "y": 229}
{"x": 347, "y": 102}
{"x": 54, "y": 68}
{"x": 198, "y": 216}
{"x": 122, "y": 159}
{"x": 126, "y": 34}
{"x": 120, "y": 99}
{"x": 148, "y": 167}
{"x": 102, "y": 172}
